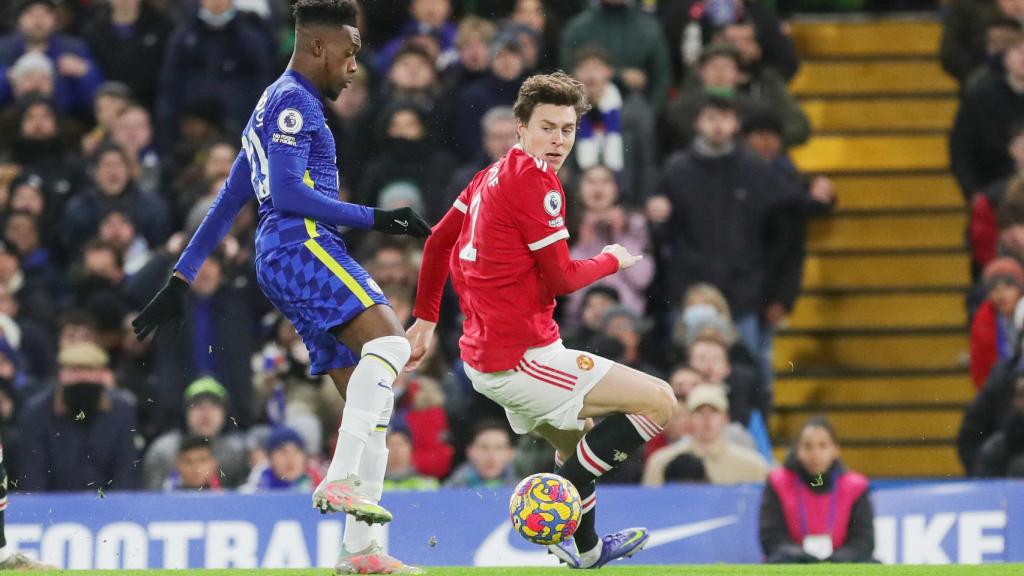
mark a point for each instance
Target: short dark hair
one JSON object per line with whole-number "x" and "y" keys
{"x": 1003, "y": 21}
{"x": 717, "y": 102}
{"x": 488, "y": 424}
{"x": 329, "y": 12}
{"x": 557, "y": 88}
{"x": 193, "y": 442}
{"x": 410, "y": 48}
{"x": 591, "y": 52}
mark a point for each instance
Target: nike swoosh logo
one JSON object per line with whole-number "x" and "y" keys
{"x": 496, "y": 550}
{"x": 402, "y": 223}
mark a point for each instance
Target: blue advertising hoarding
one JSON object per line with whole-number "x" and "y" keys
{"x": 974, "y": 522}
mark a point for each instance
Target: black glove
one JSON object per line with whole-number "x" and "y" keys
{"x": 168, "y": 304}
{"x": 400, "y": 221}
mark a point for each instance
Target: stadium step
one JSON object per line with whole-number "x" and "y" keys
{"x": 878, "y": 341}
{"x": 899, "y": 309}
{"x": 878, "y": 423}
{"x": 844, "y": 77}
{"x": 869, "y": 38}
{"x": 885, "y": 231}
{"x": 921, "y": 388}
{"x": 900, "y": 269}
{"x": 888, "y": 460}
{"x": 897, "y": 192}
{"x": 886, "y": 349}
{"x": 864, "y": 153}
{"x": 867, "y": 114}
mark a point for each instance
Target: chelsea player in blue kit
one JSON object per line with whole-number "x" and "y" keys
{"x": 288, "y": 163}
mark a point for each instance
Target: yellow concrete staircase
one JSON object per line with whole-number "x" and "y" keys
{"x": 878, "y": 339}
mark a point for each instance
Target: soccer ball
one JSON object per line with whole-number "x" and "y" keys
{"x": 545, "y": 509}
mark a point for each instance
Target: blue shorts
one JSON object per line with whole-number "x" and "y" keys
{"x": 318, "y": 286}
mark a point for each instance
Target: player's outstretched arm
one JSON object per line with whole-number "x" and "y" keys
{"x": 433, "y": 274}
{"x": 169, "y": 303}
{"x": 563, "y": 275}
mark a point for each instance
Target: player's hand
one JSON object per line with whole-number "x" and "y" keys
{"x": 400, "y": 221}
{"x": 625, "y": 259}
{"x": 168, "y": 304}
{"x": 420, "y": 335}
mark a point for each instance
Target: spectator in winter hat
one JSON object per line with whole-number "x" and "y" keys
{"x": 994, "y": 333}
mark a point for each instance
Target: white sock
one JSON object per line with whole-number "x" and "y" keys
{"x": 6, "y": 552}
{"x": 369, "y": 394}
{"x": 371, "y": 471}
{"x": 590, "y": 557}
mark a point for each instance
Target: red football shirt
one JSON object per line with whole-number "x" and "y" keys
{"x": 504, "y": 243}
{"x": 513, "y": 208}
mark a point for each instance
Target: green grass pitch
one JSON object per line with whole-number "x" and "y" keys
{"x": 680, "y": 570}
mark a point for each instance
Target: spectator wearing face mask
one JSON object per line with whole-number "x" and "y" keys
{"x": 80, "y": 435}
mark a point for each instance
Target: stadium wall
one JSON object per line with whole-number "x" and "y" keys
{"x": 969, "y": 522}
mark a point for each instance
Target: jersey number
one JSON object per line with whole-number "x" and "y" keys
{"x": 258, "y": 164}
{"x": 468, "y": 252}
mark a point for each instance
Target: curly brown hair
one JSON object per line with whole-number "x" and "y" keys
{"x": 557, "y": 88}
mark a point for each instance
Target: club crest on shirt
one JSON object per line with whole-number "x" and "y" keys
{"x": 290, "y": 121}
{"x": 584, "y": 362}
{"x": 374, "y": 286}
{"x": 553, "y": 203}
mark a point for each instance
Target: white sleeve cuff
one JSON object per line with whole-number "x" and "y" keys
{"x": 562, "y": 234}
{"x": 460, "y": 206}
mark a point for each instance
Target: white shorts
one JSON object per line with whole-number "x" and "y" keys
{"x": 547, "y": 387}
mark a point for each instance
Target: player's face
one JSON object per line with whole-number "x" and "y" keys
{"x": 816, "y": 450}
{"x": 339, "y": 55}
{"x": 550, "y": 133}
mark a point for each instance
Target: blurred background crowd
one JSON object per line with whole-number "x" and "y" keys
{"x": 119, "y": 121}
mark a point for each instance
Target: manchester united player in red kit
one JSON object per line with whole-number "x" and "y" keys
{"x": 504, "y": 242}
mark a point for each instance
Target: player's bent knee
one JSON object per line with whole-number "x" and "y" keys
{"x": 663, "y": 402}
{"x": 395, "y": 350}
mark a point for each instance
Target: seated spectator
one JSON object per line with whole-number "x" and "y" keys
{"x": 488, "y": 459}
{"x": 1000, "y": 34}
{"x": 27, "y": 195}
{"x": 988, "y": 412}
{"x": 979, "y": 139}
{"x": 34, "y": 346}
{"x": 118, "y": 231}
{"x": 22, "y": 233}
{"x": 113, "y": 189}
{"x": 32, "y": 73}
{"x": 632, "y": 38}
{"x": 195, "y": 467}
{"x": 128, "y": 39}
{"x": 1002, "y": 455}
{"x": 79, "y": 436}
{"x": 427, "y": 18}
{"x": 289, "y": 468}
{"x": 725, "y": 461}
{"x": 205, "y": 418}
{"x": 472, "y": 40}
{"x": 31, "y": 294}
{"x": 686, "y": 468}
{"x": 38, "y": 141}
{"x": 409, "y": 155}
{"x": 985, "y": 228}
{"x": 77, "y": 75}
{"x": 498, "y": 128}
{"x": 420, "y": 408}
{"x": 215, "y": 310}
{"x": 688, "y": 23}
{"x": 401, "y": 475}
{"x": 413, "y": 78}
{"x": 622, "y": 340}
{"x": 596, "y": 302}
{"x": 133, "y": 132}
{"x": 617, "y": 132}
{"x": 497, "y": 87}
{"x": 814, "y": 509}
{"x": 764, "y": 86}
{"x": 606, "y": 221}
{"x": 709, "y": 356}
{"x": 994, "y": 332}
{"x": 111, "y": 99}
{"x": 964, "y": 38}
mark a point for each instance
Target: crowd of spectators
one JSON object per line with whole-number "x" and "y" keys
{"x": 120, "y": 121}
{"x": 983, "y": 50}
